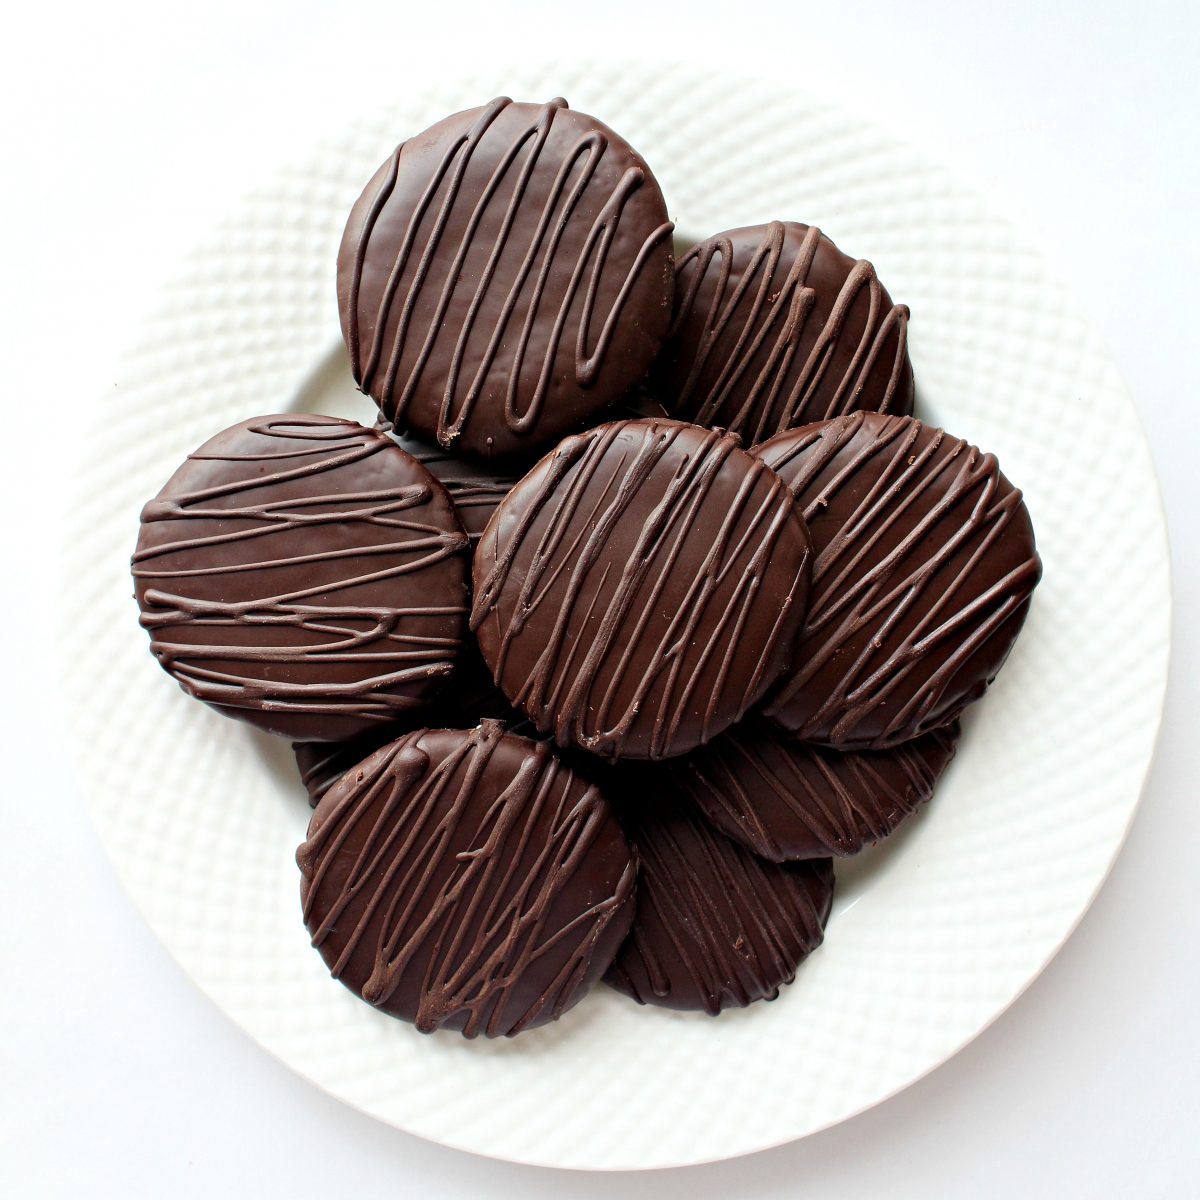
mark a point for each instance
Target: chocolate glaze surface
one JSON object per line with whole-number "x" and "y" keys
{"x": 641, "y": 587}
{"x": 478, "y": 487}
{"x": 475, "y": 487}
{"x": 470, "y": 696}
{"x": 468, "y": 880}
{"x": 774, "y": 328}
{"x": 505, "y": 276}
{"x": 304, "y": 574}
{"x": 924, "y": 565}
{"x": 786, "y": 800}
{"x": 716, "y": 927}
{"x": 322, "y": 764}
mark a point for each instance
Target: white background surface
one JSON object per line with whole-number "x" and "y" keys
{"x": 127, "y": 128}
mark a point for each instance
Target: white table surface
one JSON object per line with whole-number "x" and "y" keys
{"x": 128, "y": 127}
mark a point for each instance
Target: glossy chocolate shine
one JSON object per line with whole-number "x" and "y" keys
{"x": 716, "y": 927}
{"x": 924, "y": 565}
{"x": 304, "y": 574}
{"x": 641, "y": 588}
{"x": 504, "y": 277}
{"x": 774, "y": 328}
{"x": 466, "y": 880}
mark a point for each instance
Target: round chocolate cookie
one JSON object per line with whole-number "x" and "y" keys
{"x": 785, "y": 799}
{"x": 924, "y": 564}
{"x": 470, "y": 696}
{"x": 641, "y": 588}
{"x": 466, "y": 880}
{"x": 715, "y": 927}
{"x": 775, "y": 327}
{"x": 304, "y": 574}
{"x": 505, "y": 276}
{"x": 476, "y": 488}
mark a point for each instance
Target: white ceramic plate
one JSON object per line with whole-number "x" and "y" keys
{"x": 933, "y": 935}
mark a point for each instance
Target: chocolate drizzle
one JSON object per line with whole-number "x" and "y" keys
{"x": 774, "y": 327}
{"x": 466, "y": 880}
{"x": 640, "y": 589}
{"x": 924, "y": 564}
{"x": 303, "y": 574}
{"x": 469, "y": 697}
{"x": 475, "y": 488}
{"x": 485, "y": 271}
{"x": 715, "y": 927}
{"x": 785, "y": 800}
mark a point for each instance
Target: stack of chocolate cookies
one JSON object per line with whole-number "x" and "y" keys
{"x": 646, "y": 597}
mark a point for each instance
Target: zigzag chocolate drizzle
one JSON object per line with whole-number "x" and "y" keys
{"x": 775, "y": 328}
{"x": 507, "y": 237}
{"x": 787, "y": 800}
{"x": 924, "y": 564}
{"x": 466, "y": 880}
{"x": 300, "y": 572}
{"x": 715, "y": 926}
{"x": 640, "y": 589}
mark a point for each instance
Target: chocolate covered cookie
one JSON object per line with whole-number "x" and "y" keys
{"x": 774, "y": 328}
{"x": 786, "y": 799}
{"x": 466, "y": 880}
{"x": 304, "y": 574}
{"x": 716, "y": 927}
{"x": 640, "y": 589}
{"x": 505, "y": 276}
{"x": 924, "y": 565}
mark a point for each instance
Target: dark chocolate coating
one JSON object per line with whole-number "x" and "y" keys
{"x": 924, "y": 564}
{"x": 640, "y": 404}
{"x": 716, "y": 927}
{"x": 775, "y": 327}
{"x": 640, "y": 589}
{"x": 470, "y": 696}
{"x": 466, "y": 880}
{"x": 322, "y": 764}
{"x": 476, "y": 488}
{"x": 504, "y": 277}
{"x": 304, "y": 574}
{"x": 789, "y": 800}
